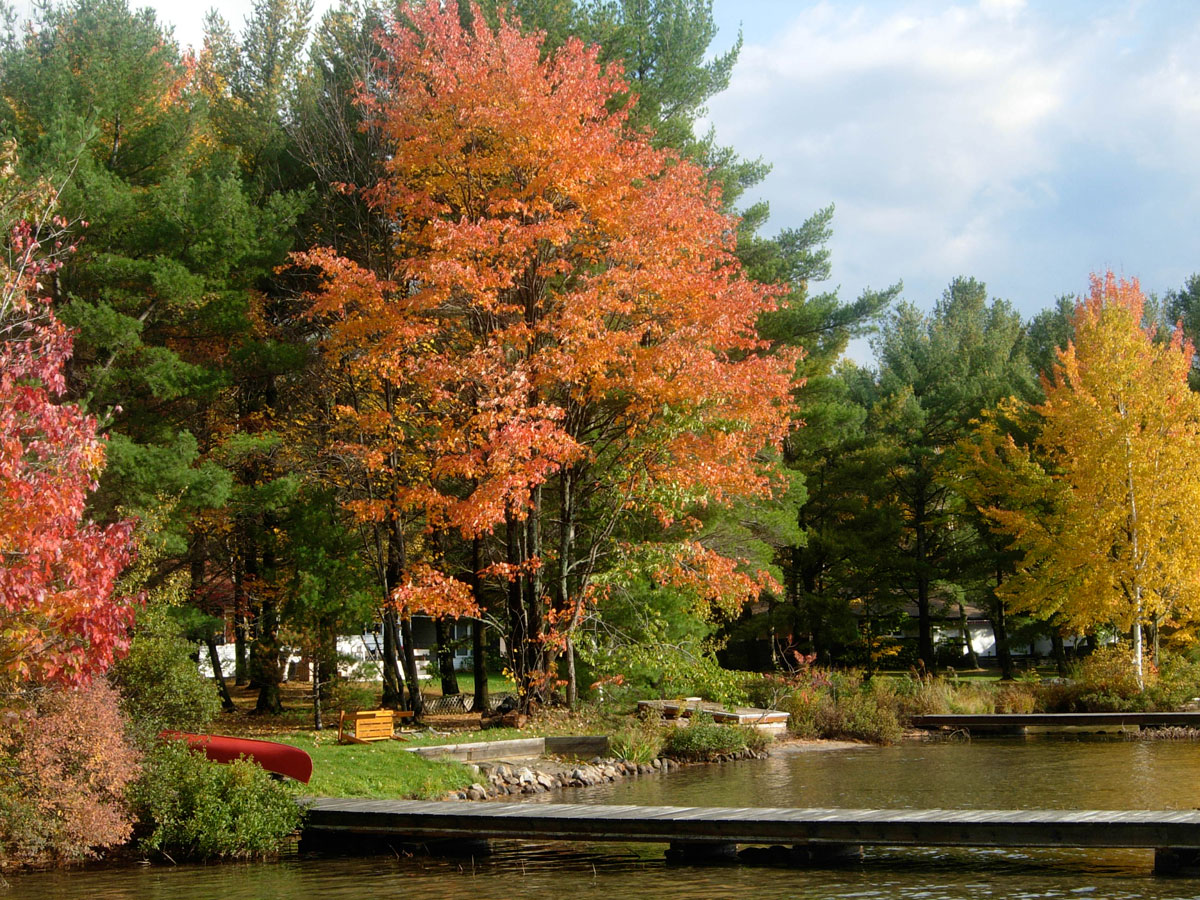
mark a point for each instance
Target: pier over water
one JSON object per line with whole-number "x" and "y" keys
{"x": 707, "y": 832}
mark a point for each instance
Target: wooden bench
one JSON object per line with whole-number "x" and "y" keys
{"x": 369, "y": 725}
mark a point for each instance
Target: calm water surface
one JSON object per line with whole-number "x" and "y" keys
{"x": 1091, "y": 775}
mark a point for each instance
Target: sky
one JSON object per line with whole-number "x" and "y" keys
{"x": 1025, "y": 143}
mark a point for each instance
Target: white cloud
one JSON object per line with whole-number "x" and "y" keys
{"x": 978, "y": 139}
{"x": 1007, "y": 9}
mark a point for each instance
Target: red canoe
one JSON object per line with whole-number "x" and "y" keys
{"x": 282, "y": 759}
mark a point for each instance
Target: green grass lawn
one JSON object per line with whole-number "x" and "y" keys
{"x": 385, "y": 770}
{"x": 381, "y": 770}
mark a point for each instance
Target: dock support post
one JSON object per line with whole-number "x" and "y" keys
{"x": 826, "y": 854}
{"x": 1177, "y": 861}
{"x": 701, "y": 852}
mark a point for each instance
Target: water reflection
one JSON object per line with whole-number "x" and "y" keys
{"x": 982, "y": 774}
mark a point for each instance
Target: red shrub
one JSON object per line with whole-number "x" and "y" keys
{"x": 64, "y": 765}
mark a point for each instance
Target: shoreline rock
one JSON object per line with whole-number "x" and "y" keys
{"x": 507, "y": 779}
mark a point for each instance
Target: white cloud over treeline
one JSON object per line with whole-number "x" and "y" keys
{"x": 1023, "y": 143}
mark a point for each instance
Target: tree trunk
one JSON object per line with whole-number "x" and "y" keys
{"x": 1137, "y": 652}
{"x": 965, "y": 629}
{"x": 518, "y": 625}
{"x": 250, "y": 564}
{"x": 316, "y": 692}
{"x": 215, "y": 658}
{"x": 924, "y": 621}
{"x": 266, "y": 647}
{"x": 411, "y": 676}
{"x": 479, "y": 666}
{"x": 393, "y": 690}
{"x": 265, "y": 662}
{"x": 572, "y": 689}
{"x": 240, "y": 666}
{"x": 566, "y": 555}
{"x": 1003, "y": 650}
{"x": 538, "y": 661}
{"x": 478, "y": 644}
{"x": 326, "y": 658}
{"x": 445, "y": 653}
{"x": 1060, "y": 652}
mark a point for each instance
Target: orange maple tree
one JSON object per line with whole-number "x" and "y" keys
{"x": 567, "y": 343}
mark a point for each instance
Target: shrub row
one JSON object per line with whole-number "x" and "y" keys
{"x": 844, "y": 704}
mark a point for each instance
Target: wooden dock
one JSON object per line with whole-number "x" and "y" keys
{"x": 697, "y": 832}
{"x": 769, "y": 720}
{"x": 1046, "y": 723}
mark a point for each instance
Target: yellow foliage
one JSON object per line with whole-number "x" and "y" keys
{"x": 1104, "y": 507}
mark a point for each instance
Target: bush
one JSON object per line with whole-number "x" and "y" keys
{"x": 1015, "y": 698}
{"x": 191, "y": 808}
{"x": 160, "y": 684}
{"x": 65, "y": 764}
{"x": 803, "y": 708}
{"x": 866, "y": 712}
{"x": 705, "y": 740}
{"x": 921, "y": 694}
{"x": 1177, "y": 683}
{"x": 1107, "y": 681}
{"x": 639, "y": 740}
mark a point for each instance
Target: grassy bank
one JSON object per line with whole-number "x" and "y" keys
{"x": 381, "y": 770}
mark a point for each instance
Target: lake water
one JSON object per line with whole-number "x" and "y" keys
{"x": 984, "y": 774}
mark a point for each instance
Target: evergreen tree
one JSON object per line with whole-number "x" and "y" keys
{"x": 937, "y": 373}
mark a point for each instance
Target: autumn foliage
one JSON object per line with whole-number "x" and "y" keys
{"x": 65, "y": 764}
{"x": 60, "y": 621}
{"x": 565, "y": 322}
{"x": 1104, "y": 511}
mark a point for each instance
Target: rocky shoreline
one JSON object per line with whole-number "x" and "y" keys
{"x": 503, "y": 779}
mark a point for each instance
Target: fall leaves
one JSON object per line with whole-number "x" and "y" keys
{"x": 565, "y": 341}
{"x": 1101, "y": 497}
{"x": 60, "y": 622}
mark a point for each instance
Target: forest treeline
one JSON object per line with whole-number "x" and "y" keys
{"x": 457, "y": 313}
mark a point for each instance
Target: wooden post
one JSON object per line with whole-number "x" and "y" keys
{"x": 1177, "y": 861}
{"x": 702, "y": 853}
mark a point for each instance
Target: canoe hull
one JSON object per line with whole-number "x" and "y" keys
{"x": 282, "y": 759}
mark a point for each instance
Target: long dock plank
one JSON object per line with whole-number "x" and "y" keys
{"x": 431, "y": 820}
{"x": 1073, "y": 720}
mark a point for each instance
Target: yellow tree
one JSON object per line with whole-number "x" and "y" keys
{"x": 1111, "y": 535}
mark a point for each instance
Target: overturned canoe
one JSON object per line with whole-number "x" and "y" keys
{"x": 282, "y": 759}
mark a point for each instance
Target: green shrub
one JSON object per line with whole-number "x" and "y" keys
{"x": 1107, "y": 680}
{"x": 865, "y": 712}
{"x": 803, "y": 708}
{"x": 1177, "y": 682}
{"x": 921, "y": 694}
{"x": 757, "y": 741}
{"x": 638, "y": 740}
{"x": 160, "y": 685}
{"x": 1056, "y": 695}
{"x": 190, "y": 808}
{"x": 705, "y": 740}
